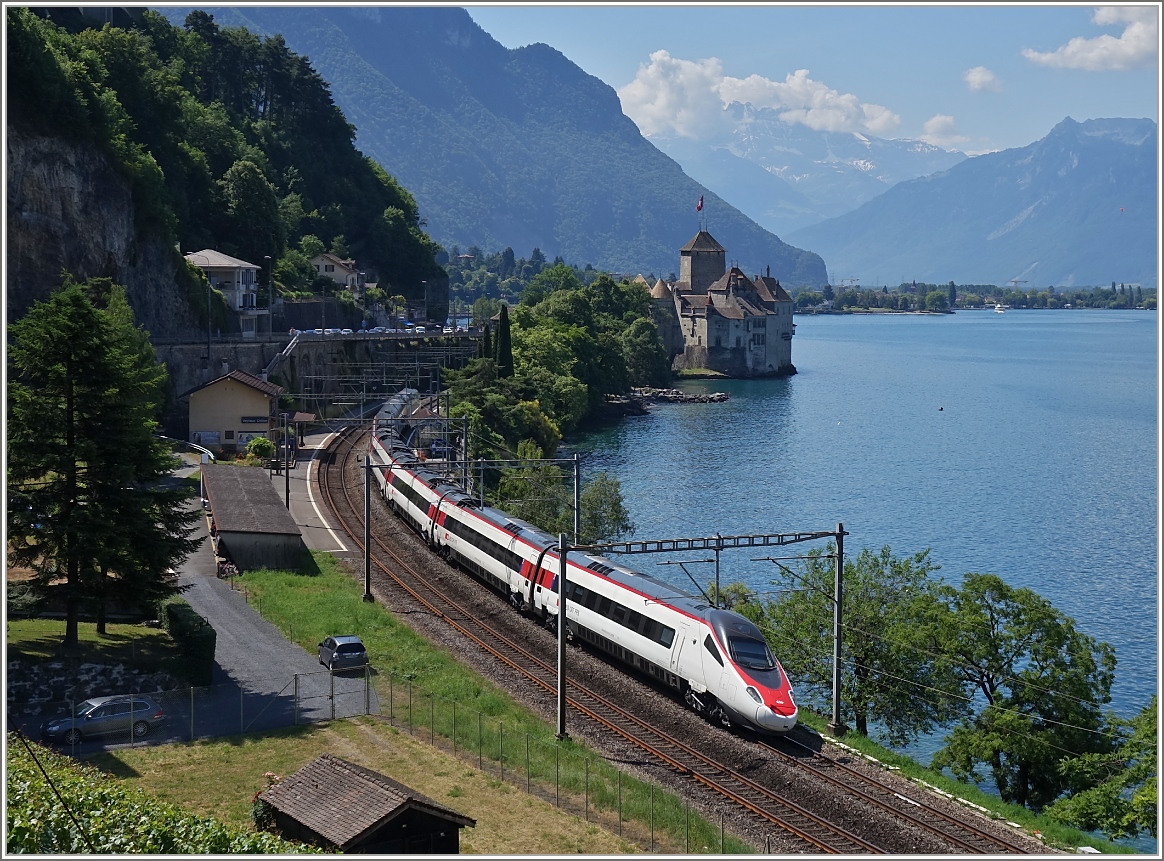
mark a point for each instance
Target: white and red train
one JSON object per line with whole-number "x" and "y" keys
{"x": 718, "y": 660}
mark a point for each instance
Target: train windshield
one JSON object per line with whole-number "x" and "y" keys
{"x": 751, "y": 654}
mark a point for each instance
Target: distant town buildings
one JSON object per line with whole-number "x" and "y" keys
{"x": 720, "y": 320}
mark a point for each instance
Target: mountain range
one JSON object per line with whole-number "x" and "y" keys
{"x": 1077, "y": 208}
{"x": 517, "y": 148}
{"x": 787, "y": 176}
{"x": 521, "y": 148}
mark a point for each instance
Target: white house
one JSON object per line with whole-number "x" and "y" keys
{"x": 342, "y": 272}
{"x": 238, "y": 281}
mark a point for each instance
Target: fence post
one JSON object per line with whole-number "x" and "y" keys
{"x": 295, "y": 719}
{"x": 687, "y": 826}
{"x": 527, "y": 763}
{"x": 73, "y": 726}
{"x": 480, "y": 767}
{"x": 652, "y": 817}
{"x": 501, "y": 748}
{"x": 432, "y": 719}
{"x": 331, "y": 683}
{"x": 556, "y": 749}
{"x": 191, "y": 713}
{"x": 586, "y": 792}
{"x": 367, "y": 689}
{"x": 454, "y": 729}
{"x": 410, "y": 706}
{"x": 242, "y": 723}
{"x": 131, "y": 739}
{"x": 391, "y": 699}
{"x": 721, "y": 832}
{"x": 619, "y": 773}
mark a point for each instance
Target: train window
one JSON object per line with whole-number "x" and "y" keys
{"x": 752, "y": 654}
{"x": 618, "y": 613}
{"x": 709, "y": 644}
{"x": 604, "y": 606}
{"x": 666, "y": 636}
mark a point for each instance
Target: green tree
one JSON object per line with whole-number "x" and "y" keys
{"x": 548, "y": 281}
{"x": 254, "y": 223}
{"x": 1043, "y": 684}
{"x": 504, "y": 345}
{"x": 646, "y": 360}
{"x": 890, "y": 675}
{"x": 952, "y": 298}
{"x": 604, "y": 516}
{"x": 1123, "y": 798}
{"x": 89, "y": 510}
{"x": 936, "y": 300}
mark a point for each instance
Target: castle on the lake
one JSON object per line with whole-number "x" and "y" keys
{"x": 718, "y": 319}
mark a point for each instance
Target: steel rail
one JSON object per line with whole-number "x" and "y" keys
{"x": 741, "y": 784}
{"x": 795, "y": 819}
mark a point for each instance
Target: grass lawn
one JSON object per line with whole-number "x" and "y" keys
{"x": 132, "y": 645}
{"x": 219, "y": 778}
{"x": 309, "y": 607}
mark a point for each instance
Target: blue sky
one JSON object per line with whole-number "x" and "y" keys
{"x": 970, "y": 78}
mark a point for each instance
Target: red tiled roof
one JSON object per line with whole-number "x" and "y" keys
{"x": 258, "y": 383}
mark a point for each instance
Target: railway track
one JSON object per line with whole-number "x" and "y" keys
{"x": 392, "y": 571}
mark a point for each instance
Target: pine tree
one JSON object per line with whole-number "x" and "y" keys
{"x": 486, "y": 348}
{"x": 89, "y": 510}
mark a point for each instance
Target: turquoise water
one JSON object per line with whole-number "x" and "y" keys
{"x": 1022, "y": 444}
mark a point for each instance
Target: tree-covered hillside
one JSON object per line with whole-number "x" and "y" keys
{"x": 516, "y": 148}
{"x": 231, "y": 141}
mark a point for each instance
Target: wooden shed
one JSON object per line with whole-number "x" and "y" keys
{"x": 252, "y": 526}
{"x": 336, "y": 804}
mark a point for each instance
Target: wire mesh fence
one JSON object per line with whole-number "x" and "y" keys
{"x": 558, "y": 772}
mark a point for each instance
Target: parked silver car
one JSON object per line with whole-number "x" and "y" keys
{"x": 103, "y": 716}
{"x": 342, "y": 653}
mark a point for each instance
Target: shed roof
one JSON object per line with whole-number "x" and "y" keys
{"x": 209, "y": 258}
{"x": 702, "y": 241}
{"x": 342, "y": 801}
{"x": 258, "y": 383}
{"x": 242, "y": 499}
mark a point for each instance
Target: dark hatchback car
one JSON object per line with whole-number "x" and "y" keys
{"x": 342, "y": 653}
{"x": 106, "y": 716}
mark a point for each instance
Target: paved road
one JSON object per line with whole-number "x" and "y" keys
{"x": 261, "y": 679}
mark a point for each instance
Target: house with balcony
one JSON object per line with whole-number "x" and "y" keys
{"x": 238, "y": 282}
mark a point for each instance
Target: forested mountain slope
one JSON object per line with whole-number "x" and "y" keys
{"x": 513, "y": 148}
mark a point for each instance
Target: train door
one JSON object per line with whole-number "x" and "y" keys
{"x": 714, "y": 668}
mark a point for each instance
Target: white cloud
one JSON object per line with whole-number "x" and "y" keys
{"x": 1135, "y": 47}
{"x": 687, "y": 98}
{"x": 940, "y": 130}
{"x": 672, "y": 96}
{"x": 980, "y": 80}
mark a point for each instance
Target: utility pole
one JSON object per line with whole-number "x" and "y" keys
{"x": 367, "y": 551}
{"x": 562, "y": 625}
{"x": 835, "y": 727}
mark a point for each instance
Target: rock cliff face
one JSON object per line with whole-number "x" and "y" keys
{"x": 69, "y": 209}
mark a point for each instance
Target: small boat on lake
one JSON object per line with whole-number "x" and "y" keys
{"x": 998, "y": 309}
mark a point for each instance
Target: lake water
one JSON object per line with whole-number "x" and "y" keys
{"x": 1021, "y": 444}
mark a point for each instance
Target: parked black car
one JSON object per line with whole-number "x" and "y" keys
{"x": 106, "y": 716}
{"x": 342, "y": 653}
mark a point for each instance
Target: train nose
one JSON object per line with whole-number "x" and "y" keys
{"x": 779, "y": 719}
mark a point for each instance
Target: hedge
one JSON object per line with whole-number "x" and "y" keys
{"x": 193, "y": 635}
{"x": 113, "y": 818}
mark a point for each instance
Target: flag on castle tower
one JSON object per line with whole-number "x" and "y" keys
{"x": 699, "y": 206}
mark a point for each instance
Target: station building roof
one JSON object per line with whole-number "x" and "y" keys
{"x": 242, "y": 499}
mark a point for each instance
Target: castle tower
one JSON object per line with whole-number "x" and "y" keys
{"x": 701, "y": 263}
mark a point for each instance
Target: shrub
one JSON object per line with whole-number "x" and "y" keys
{"x": 113, "y": 818}
{"x": 193, "y": 635}
{"x": 261, "y": 447}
